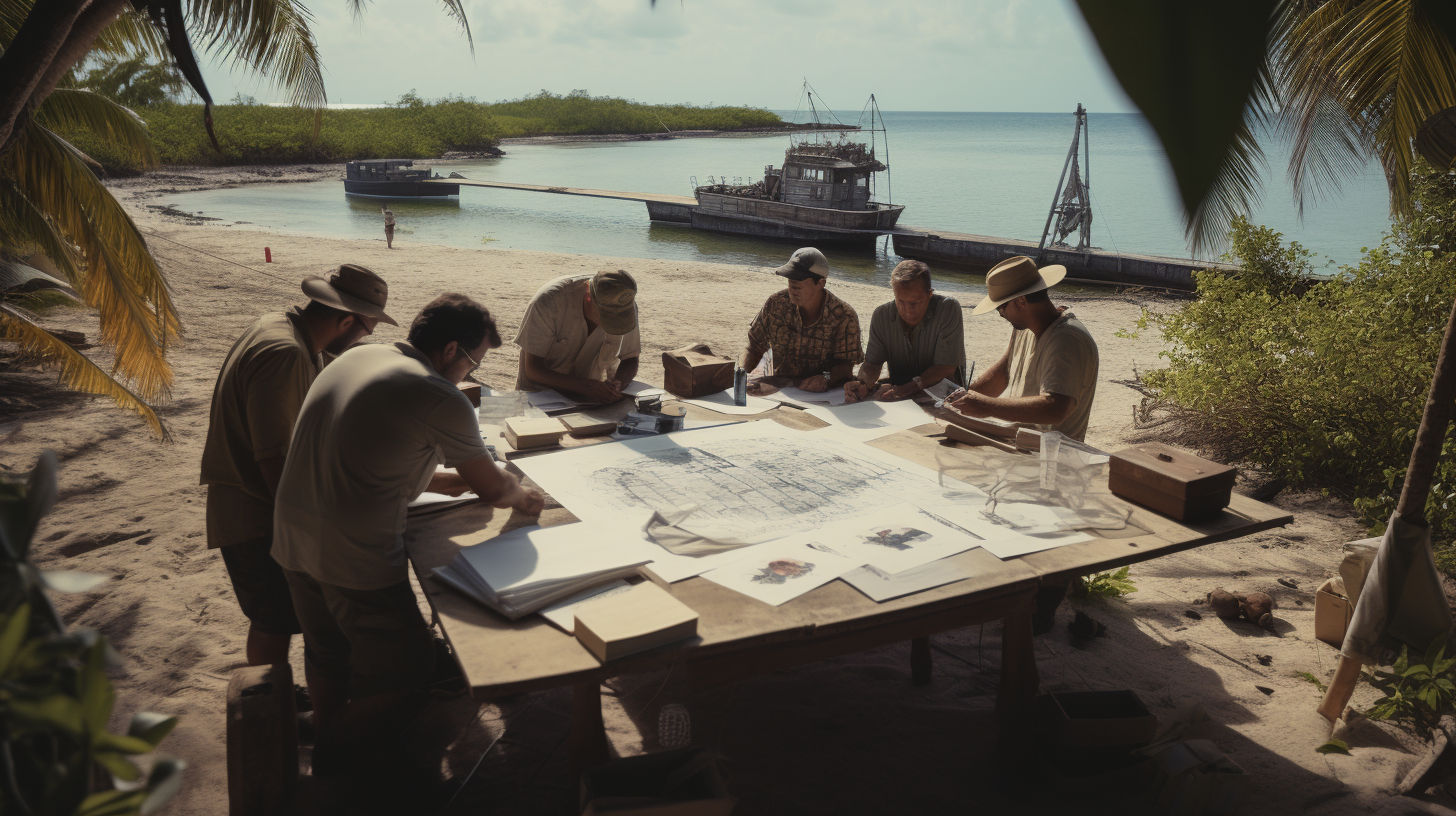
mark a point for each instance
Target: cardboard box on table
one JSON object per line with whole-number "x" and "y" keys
{"x": 695, "y": 371}
{"x": 684, "y": 782}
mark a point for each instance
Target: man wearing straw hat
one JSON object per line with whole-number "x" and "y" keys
{"x": 1048, "y": 375}
{"x": 254, "y": 405}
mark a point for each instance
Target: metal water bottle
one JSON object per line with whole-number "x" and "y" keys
{"x": 740, "y": 386}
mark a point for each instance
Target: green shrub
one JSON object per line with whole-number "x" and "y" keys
{"x": 1319, "y": 382}
{"x": 413, "y": 128}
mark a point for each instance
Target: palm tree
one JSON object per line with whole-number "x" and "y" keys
{"x": 1340, "y": 80}
{"x": 50, "y": 198}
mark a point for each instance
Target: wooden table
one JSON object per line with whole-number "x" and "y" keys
{"x": 739, "y": 637}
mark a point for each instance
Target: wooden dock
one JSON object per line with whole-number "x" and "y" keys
{"x": 978, "y": 252}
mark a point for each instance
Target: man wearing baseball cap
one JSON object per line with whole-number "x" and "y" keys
{"x": 813, "y": 335}
{"x": 1048, "y": 376}
{"x": 579, "y": 336}
{"x": 255, "y": 403}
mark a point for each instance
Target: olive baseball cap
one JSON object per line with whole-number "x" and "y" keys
{"x": 615, "y": 294}
{"x": 806, "y": 262}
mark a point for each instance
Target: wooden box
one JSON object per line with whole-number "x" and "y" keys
{"x": 644, "y": 617}
{"x": 695, "y": 371}
{"x": 1173, "y": 482}
{"x": 522, "y": 433}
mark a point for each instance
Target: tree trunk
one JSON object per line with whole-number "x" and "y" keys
{"x": 28, "y": 58}
{"x": 97, "y": 16}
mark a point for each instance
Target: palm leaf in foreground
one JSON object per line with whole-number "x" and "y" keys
{"x": 77, "y": 371}
{"x": 77, "y": 109}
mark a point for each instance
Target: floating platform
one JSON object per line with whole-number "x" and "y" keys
{"x": 975, "y": 252}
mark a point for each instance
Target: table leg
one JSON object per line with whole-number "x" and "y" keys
{"x": 920, "y": 661}
{"x": 1019, "y": 678}
{"x": 587, "y": 743}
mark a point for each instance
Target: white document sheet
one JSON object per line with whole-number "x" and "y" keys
{"x": 552, "y": 401}
{"x": 532, "y": 556}
{"x": 1001, "y": 539}
{"x": 722, "y": 402}
{"x": 428, "y": 502}
{"x": 748, "y": 482}
{"x": 783, "y": 570}
{"x": 871, "y": 420}
{"x": 637, "y": 388}
{"x": 895, "y": 539}
{"x": 881, "y": 586}
{"x": 562, "y": 614}
{"x": 790, "y": 395}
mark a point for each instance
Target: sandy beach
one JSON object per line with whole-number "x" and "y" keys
{"x": 847, "y": 736}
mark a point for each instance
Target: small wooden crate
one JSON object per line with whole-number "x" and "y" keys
{"x": 695, "y": 371}
{"x": 1173, "y": 482}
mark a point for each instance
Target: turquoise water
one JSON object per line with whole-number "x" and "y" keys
{"x": 983, "y": 173}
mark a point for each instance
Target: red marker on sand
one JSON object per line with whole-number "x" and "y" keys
{"x": 267, "y": 255}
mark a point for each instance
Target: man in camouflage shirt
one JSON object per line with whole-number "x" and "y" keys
{"x": 812, "y": 335}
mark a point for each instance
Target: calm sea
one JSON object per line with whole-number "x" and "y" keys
{"x": 983, "y": 173}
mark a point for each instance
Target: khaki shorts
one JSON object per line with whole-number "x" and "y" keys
{"x": 375, "y": 639}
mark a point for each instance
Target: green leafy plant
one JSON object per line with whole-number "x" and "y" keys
{"x": 1103, "y": 585}
{"x": 1334, "y": 746}
{"x": 1416, "y": 692}
{"x": 55, "y": 698}
{"x": 1309, "y": 678}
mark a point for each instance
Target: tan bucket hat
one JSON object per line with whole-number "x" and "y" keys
{"x": 353, "y": 289}
{"x": 1016, "y": 277}
{"x": 615, "y": 294}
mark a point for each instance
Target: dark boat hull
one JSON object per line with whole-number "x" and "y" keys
{"x": 401, "y": 189}
{"x": 776, "y": 219}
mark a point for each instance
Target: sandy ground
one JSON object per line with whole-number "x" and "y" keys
{"x": 850, "y": 735}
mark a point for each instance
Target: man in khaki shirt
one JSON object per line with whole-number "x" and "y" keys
{"x": 579, "y": 336}
{"x": 254, "y": 405}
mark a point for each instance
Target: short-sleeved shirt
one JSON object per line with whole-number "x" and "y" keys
{"x": 373, "y": 427}
{"x": 800, "y": 350}
{"x": 938, "y": 340}
{"x": 1062, "y": 361}
{"x": 389, "y": 218}
{"x": 555, "y": 330}
{"x": 257, "y": 397}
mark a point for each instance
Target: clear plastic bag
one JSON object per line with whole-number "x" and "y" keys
{"x": 1062, "y": 488}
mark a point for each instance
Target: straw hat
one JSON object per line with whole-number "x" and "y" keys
{"x": 1017, "y": 277}
{"x": 352, "y": 289}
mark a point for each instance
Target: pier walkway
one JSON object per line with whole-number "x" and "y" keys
{"x": 655, "y": 198}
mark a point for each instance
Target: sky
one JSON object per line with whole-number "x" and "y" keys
{"x": 926, "y": 55}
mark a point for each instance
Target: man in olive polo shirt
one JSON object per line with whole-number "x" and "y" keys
{"x": 579, "y": 336}
{"x": 254, "y": 404}
{"x": 919, "y": 334}
{"x": 814, "y": 336}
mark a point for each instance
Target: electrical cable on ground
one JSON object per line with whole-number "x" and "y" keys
{"x": 218, "y": 257}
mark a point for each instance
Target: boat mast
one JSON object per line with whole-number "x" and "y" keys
{"x": 875, "y": 115}
{"x": 1072, "y": 202}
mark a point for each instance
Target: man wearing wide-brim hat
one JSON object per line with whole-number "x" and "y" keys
{"x": 579, "y": 336}
{"x": 1047, "y": 378}
{"x": 254, "y": 406}
{"x": 812, "y": 334}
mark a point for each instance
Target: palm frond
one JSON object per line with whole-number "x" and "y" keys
{"x": 132, "y": 35}
{"x": 1235, "y": 190}
{"x": 77, "y": 371}
{"x": 455, "y": 10}
{"x": 1386, "y": 65}
{"x": 76, "y": 109}
{"x": 119, "y": 277}
{"x": 271, "y": 36}
{"x": 26, "y": 229}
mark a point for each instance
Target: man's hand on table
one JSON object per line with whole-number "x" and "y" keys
{"x": 969, "y": 403}
{"x": 816, "y": 383}
{"x": 604, "y": 393}
{"x": 856, "y": 390}
{"x": 895, "y": 393}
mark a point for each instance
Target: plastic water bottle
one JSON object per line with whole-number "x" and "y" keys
{"x": 740, "y": 386}
{"x": 674, "y": 726}
{"x": 1051, "y": 444}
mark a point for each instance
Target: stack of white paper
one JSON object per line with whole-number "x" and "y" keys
{"x": 519, "y": 572}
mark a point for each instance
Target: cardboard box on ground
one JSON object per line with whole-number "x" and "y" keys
{"x": 685, "y": 782}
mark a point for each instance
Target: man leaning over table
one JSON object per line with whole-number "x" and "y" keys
{"x": 375, "y": 424}
{"x": 1047, "y": 378}
{"x": 579, "y": 336}
{"x": 919, "y": 334}
{"x": 814, "y": 336}
{"x": 256, "y": 399}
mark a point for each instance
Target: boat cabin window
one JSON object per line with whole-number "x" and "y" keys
{"x": 791, "y": 172}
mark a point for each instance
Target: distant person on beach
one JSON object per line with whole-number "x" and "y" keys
{"x": 370, "y": 434}
{"x": 1048, "y": 376}
{"x": 579, "y": 336}
{"x": 919, "y": 334}
{"x": 814, "y": 336}
{"x": 257, "y": 397}
{"x": 388, "y": 225}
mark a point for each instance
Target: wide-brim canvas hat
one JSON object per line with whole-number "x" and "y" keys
{"x": 1017, "y": 277}
{"x": 806, "y": 262}
{"x": 353, "y": 289}
{"x": 615, "y": 294}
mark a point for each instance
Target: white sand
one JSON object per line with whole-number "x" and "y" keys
{"x": 850, "y": 735}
